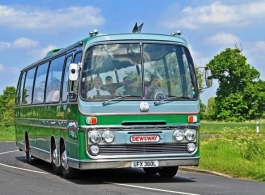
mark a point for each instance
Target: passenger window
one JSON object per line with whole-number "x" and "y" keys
{"x": 20, "y": 93}
{"x": 27, "y": 92}
{"x": 54, "y": 80}
{"x": 65, "y": 79}
{"x": 39, "y": 87}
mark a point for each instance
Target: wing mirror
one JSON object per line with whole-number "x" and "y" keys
{"x": 73, "y": 71}
{"x": 208, "y": 77}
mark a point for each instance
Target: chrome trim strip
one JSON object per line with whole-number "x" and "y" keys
{"x": 142, "y": 127}
{"x": 44, "y": 104}
{"x": 48, "y": 123}
{"x": 136, "y": 113}
{"x": 41, "y": 154}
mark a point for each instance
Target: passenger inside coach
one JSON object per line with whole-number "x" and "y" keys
{"x": 40, "y": 93}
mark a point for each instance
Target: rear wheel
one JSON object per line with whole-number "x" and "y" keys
{"x": 56, "y": 162}
{"x": 68, "y": 172}
{"x": 168, "y": 172}
{"x": 151, "y": 171}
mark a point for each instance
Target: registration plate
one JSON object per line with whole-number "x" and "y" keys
{"x": 141, "y": 164}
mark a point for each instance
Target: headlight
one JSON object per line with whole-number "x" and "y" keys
{"x": 94, "y": 150}
{"x": 178, "y": 135}
{"x": 94, "y": 137}
{"x": 191, "y": 147}
{"x": 190, "y": 134}
{"x": 108, "y": 136}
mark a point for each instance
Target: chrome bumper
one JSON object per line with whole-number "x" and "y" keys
{"x": 127, "y": 163}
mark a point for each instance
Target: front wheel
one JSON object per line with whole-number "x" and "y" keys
{"x": 68, "y": 172}
{"x": 29, "y": 157}
{"x": 168, "y": 172}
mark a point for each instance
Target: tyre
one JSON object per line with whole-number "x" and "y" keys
{"x": 151, "y": 171}
{"x": 68, "y": 172}
{"x": 30, "y": 159}
{"x": 168, "y": 172}
{"x": 55, "y": 162}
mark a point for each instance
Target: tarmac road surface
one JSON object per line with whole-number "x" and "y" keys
{"x": 18, "y": 177}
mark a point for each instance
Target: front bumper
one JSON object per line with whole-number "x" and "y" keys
{"x": 126, "y": 163}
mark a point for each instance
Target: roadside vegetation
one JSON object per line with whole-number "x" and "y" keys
{"x": 7, "y": 134}
{"x": 237, "y": 151}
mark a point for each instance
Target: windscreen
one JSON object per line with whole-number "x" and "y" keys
{"x": 138, "y": 71}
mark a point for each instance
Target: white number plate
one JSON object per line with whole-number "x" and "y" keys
{"x": 140, "y": 164}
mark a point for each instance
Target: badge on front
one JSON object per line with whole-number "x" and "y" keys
{"x": 144, "y": 107}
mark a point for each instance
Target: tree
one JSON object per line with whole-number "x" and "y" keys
{"x": 240, "y": 95}
{"x": 210, "y": 110}
{"x": 7, "y": 100}
{"x": 202, "y": 109}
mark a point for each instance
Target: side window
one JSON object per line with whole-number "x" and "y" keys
{"x": 65, "y": 79}
{"x": 20, "y": 90}
{"x": 40, "y": 81}
{"x": 74, "y": 84}
{"x": 78, "y": 57}
{"x": 27, "y": 92}
{"x": 54, "y": 80}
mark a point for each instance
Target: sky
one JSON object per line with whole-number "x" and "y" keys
{"x": 29, "y": 29}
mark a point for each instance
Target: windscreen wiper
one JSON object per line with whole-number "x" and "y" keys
{"x": 170, "y": 98}
{"x": 117, "y": 98}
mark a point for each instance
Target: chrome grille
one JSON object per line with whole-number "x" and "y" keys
{"x": 141, "y": 149}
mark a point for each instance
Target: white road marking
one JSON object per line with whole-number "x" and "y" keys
{"x": 23, "y": 169}
{"x": 4, "y": 165}
{"x": 154, "y": 189}
{"x": 8, "y": 152}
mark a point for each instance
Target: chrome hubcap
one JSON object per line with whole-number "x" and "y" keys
{"x": 55, "y": 158}
{"x": 64, "y": 161}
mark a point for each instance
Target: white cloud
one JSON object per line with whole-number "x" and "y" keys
{"x": 24, "y": 43}
{"x": 7, "y": 70}
{"x": 5, "y": 45}
{"x": 199, "y": 59}
{"x": 44, "y": 51}
{"x": 214, "y": 14}
{"x": 19, "y": 43}
{"x": 33, "y": 18}
{"x": 259, "y": 47}
{"x": 1, "y": 67}
{"x": 255, "y": 54}
{"x": 223, "y": 38}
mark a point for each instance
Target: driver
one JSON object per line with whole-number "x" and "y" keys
{"x": 97, "y": 92}
{"x": 155, "y": 87}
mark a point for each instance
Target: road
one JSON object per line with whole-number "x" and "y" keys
{"x": 18, "y": 177}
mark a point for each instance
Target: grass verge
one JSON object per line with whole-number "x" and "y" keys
{"x": 239, "y": 155}
{"x": 7, "y": 134}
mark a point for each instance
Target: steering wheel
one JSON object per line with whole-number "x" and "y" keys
{"x": 159, "y": 95}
